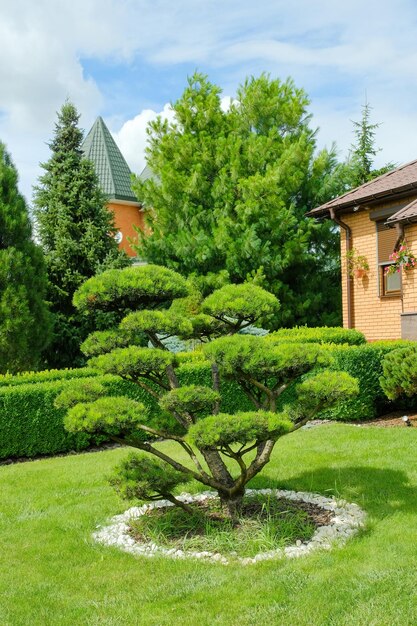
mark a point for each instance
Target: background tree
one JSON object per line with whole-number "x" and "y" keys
{"x": 364, "y": 149}
{"x": 230, "y": 191}
{"x": 192, "y": 413}
{"x": 25, "y": 322}
{"x": 76, "y": 232}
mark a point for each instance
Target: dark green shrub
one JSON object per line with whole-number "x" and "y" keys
{"x": 400, "y": 373}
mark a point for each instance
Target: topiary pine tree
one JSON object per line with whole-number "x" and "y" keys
{"x": 25, "y": 322}
{"x": 192, "y": 416}
{"x": 76, "y": 232}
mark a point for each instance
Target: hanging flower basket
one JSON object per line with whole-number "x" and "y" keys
{"x": 357, "y": 264}
{"x": 359, "y": 272}
{"x": 402, "y": 258}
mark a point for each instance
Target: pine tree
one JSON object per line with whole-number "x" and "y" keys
{"x": 25, "y": 322}
{"x": 76, "y": 232}
{"x": 230, "y": 193}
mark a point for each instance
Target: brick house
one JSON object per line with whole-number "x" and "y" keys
{"x": 115, "y": 180}
{"x": 374, "y": 219}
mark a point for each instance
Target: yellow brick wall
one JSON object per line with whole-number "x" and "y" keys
{"x": 377, "y": 317}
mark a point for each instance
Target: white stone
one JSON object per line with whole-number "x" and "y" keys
{"x": 346, "y": 520}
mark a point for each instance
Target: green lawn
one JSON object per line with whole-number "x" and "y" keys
{"x": 51, "y": 573}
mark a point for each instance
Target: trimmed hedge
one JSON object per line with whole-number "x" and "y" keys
{"x": 363, "y": 362}
{"x": 45, "y": 376}
{"x": 30, "y": 425}
{"x": 325, "y": 334}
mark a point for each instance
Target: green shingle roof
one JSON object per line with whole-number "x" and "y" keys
{"x": 112, "y": 170}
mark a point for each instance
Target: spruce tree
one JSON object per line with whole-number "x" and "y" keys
{"x": 76, "y": 231}
{"x": 364, "y": 149}
{"x": 25, "y": 321}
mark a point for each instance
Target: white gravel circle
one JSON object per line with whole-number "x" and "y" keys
{"x": 346, "y": 520}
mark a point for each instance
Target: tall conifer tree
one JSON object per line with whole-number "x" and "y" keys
{"x": 25, "y": 321}
{"x": 76, "y": 232}
{"x": 230, "y": 192}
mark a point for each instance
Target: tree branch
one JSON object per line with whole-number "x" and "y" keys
{"x": 262, "y": 458}
{"x": 216, "y": 386}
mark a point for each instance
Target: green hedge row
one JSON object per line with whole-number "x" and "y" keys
{"x": 363, "y": 362}
{"x": 45, "y": 376}
{"x": 30, "y": 425}
{"x": 325, "y": 334}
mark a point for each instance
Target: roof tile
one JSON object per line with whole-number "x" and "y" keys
{"x": 112, "y": 170}
{"x": 401, "y": 179}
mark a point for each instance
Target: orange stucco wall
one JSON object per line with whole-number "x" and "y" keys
{"x": 377, "y": 317}
{"x": 125, "y": 217}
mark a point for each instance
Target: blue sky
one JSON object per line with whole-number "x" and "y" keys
{"x": 127, "y": 59}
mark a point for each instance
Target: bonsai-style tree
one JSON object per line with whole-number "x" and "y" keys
{"x": 192, "y": 416}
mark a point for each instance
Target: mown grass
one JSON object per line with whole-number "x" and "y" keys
{"x": 51, "y": 573}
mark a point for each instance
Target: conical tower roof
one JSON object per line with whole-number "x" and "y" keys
{"x": 112, "y": 170}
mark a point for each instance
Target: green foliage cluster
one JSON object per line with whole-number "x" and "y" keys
{"x": 194, "y": 399}
{"x": 162, "y": 324}
{"x": 233, "y": 303}
{"x": 281, "y": 361}
{"x": 133, "y": 362}
{"x": 145, "y": 478}
{"x": 114, "y": 415}
{"x": 25, "y": 322}
{"x": 400, "y": 373}
{"x": 242, "y": 180}
{"x": 87, "y": 390}
{"x": 326, "y": 389}
{"x": 101, "y": 341}
{"x": 76, "y": 232}
{"x": 126, "y": 290}
{"x": 225, "y": 430}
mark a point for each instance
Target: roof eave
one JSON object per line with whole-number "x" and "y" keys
{"x": 324, "y": 210}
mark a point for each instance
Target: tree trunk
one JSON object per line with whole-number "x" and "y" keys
{"x": 217, "y": 467}
{"x": 232, "y": 505}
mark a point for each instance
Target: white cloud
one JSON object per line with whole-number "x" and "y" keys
{"x": 335, "y": 50}
{"x": 132, "y": 137}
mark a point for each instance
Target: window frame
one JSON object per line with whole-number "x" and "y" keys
{"x": 383, "y": 292}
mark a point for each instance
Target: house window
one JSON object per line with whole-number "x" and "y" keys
{"x": 388, "y": 284}
{"x": 391, "y": 283}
